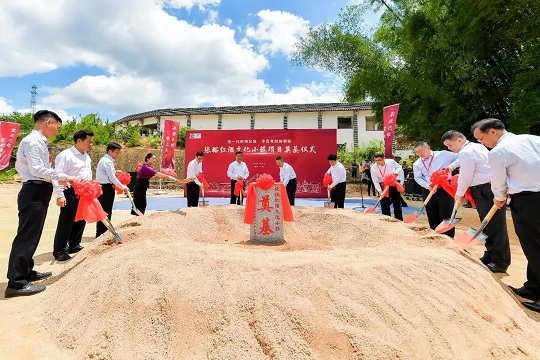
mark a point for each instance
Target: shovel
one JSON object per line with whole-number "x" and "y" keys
{"x": 110, "y": 226}
{"x": 133, "y": 207}
{"x": 203, "y": 202}
{"x": 415, "y": 215}
{"x": 473, "y": 236}
{"x": 373, "y": 209}
{"x": 329, "y": 204}
{"x": 448, "y": 224}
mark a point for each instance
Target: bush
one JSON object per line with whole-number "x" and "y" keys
{"x": 8, "y": 175}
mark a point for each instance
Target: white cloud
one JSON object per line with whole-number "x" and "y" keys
{"x": 213, "y": 17}
{"x": 5, "y": 108}
{"x": 149, "y": 58}
{"x": 277, "y": 31}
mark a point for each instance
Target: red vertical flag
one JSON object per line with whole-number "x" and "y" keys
{"x": 168, "y": 144}
{"x": 390, "y": 119}
{"x": 8, "y": 137}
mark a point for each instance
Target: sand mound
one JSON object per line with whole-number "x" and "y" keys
{"x": 344, "y": 286}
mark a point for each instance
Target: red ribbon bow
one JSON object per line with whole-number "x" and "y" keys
{"x": 124, "y": 178}
{"x": 391, "y": 180}
{"x": 89, "y": 208}
{"x": 201, "y": 179}
{"x": 239, "y": 188}
{"x": 327, "y": 180}
{"x": 468, "y": 195}
{"x": 440, "y": 178}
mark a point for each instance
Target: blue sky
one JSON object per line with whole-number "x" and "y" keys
{"x": 121, "y": 57}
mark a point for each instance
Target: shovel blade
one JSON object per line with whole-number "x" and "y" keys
{"x": 137, "y": 211}
{"x": 370, "y": 210}
{"x": 413, "y": 217}
{"x": 446, "y": 225}
{"x": 469, "y": 238}
{"x": 328, "y": 204}
{"x": 203, "y": 203}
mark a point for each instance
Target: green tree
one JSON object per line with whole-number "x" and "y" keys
{"x": 26, "y": 122}
{"x": 448, "y": 63}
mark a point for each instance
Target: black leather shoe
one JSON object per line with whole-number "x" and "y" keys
{"x": 485, "y": 259}
{"x": 525, "y": 293}
{"x": 28, "y": 289}
{"x": 37, "y": 276}
{"x": 534, "y": 306}
{"x": 76, "y": 249}
{"x": 62, "y": 257}
{"x": 494, "y": 268}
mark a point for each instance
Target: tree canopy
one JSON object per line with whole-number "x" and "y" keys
{"x": 447, "y": 62}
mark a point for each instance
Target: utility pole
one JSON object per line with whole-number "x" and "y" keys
{"x": 33, "y": 95}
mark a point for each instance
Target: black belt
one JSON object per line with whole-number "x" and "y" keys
{"x": 522, "y": 193}
{"x": 37, "y": 182}
{"x": 478, "y": 186}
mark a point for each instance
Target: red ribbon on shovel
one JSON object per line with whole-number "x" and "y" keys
{"x": 89, "y": 208}
{"x": 124, "y": 178}
{"x": 239, "y": 188}
{"x": 203, "y": 181}
{"x": 468, "y": 195}
{"x": 391, "y": 180}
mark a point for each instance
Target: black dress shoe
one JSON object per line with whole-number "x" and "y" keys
{"x": 37, "y": 276}
{"x": 495, "y": 268}
{"x": 62, "y": 257}
{"x": 28, "y": 289}
{"x": 525, "y": 293}
{"x": 76, "y": 249}
{"x": 485, "y": 259}
{"x": 534, "y": 306}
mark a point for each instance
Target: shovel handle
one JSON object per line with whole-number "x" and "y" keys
{"x": 488, "y": 217}
{"x": 383, "y": 194}
{"x": 454, "y": 210}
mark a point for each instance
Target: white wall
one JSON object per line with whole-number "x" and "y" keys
{"x": 302, "y": 120}
{"x": 235, "y": 121}
{"x": 204, "y": 122}
{"x": 269, "y": 121}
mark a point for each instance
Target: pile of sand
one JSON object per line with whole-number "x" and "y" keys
{"x": 344, "y": 286}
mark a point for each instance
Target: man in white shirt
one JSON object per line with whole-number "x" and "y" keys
{"x": 475, "y": 174}
{"x": 76, "y": 162}
{"x": 287, "y": 177}
{"x": 379, "y": 170}
{"x": 514, "y": 161}
{"x": 338, "y": 186}
{"x": 237, "y": 171}
{"x": 441, "y": 204}
{"x": 33, "y": 165}
{"x": 106, "y": 175}
{"x": 193, "y": 187}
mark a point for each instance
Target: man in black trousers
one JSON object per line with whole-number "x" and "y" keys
{"x": 106, "y": 175}
{"x": 33, "y": 202}
{"x": 514, "y": 162}
{"x": 475, "y": 174}
{"x": 76, "y": 162}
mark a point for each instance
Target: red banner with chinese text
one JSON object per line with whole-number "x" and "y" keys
{"x": 390, "y": 114}
{"x": 8, "y": 137}
{"x": 305, "y": 150}
{"x": 168, "y": 144}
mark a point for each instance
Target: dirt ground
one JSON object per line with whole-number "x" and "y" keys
{"x": 16, "y": 337}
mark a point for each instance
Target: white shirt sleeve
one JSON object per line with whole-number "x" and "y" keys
{"x": 418, "y": 176}
{"x": 466, "y": 173}
{"x": 499, "y": 185}
{"x": 60, "y": 165}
